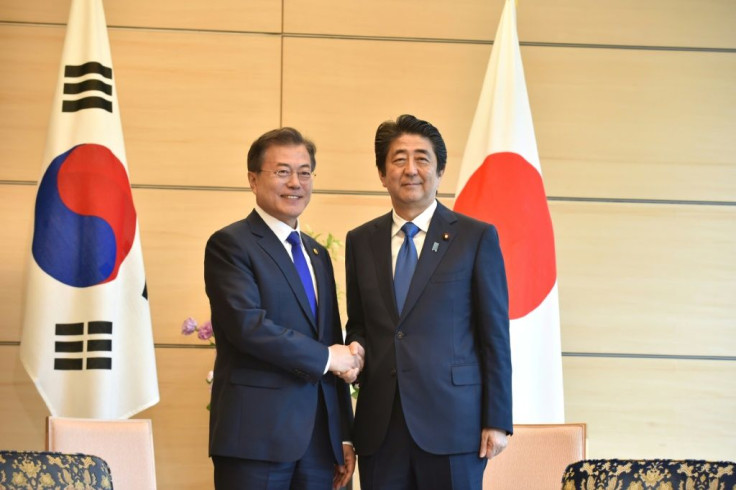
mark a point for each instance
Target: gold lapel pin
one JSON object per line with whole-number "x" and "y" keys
{"x": 316, "y": 252}
{"x": 445, "y": 236}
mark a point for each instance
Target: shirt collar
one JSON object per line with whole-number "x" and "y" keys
{"x": 280, "y": 229}
{"x": 422, "y": 221}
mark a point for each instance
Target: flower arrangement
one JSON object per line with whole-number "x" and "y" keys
{"x": 204, "y": 332}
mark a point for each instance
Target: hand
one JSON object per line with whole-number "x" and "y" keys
{"x": 492, "y": 442}
{"x": 357, "y": 350}
{"x": 345, "y": 471}
{"x": 342, "y": 359}
{"x": 351, "y": 375}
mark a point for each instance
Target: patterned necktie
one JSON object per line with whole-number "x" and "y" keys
{"x": 301, "y": 267}
{"x": 406, "y": 262}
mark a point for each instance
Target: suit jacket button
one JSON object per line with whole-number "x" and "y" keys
{"x": 400, "y": 335}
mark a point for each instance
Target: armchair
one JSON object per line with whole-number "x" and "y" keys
{"x": 655, "y": 474}
{"x": 21, "y": 470}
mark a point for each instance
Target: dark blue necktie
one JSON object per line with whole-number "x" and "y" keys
{"x": 301, "y": 267}
{"x": 406, "y": 262}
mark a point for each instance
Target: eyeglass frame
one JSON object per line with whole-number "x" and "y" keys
{"x": 284, "y": 174}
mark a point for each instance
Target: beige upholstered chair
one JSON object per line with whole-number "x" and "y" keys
{"x": 126, "y": 445}
{"x": 536, "y": 457}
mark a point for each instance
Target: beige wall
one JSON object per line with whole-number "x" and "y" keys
{"x": 635, "y": 113}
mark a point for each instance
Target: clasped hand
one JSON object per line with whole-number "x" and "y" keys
{"x": 346, "y": 361}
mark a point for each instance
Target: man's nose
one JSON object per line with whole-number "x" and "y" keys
{"x": 411, "y": 167}
{"x": 293, "y": 180}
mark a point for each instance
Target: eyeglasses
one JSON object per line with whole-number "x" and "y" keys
{"x": 286, "y": 173}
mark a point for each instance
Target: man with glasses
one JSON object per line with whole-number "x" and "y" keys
{"x": 280, "y": 413}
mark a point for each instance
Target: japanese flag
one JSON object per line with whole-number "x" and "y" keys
{"x": 501, "y": 183}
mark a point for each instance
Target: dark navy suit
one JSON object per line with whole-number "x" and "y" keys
{"x": 448, "y": 353}
{"x": 271, "y": 353}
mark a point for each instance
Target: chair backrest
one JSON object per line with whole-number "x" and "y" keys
{"x": 126, "y": 445}
{"x": 536, "y": 457}
{"x": 650, "y": 473}
{"x": 35, "y": 469}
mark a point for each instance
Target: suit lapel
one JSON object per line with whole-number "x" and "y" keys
{"x": 270, "y": 244}
{"x": 439, "y": 236}
{"x": 381, "y": 248}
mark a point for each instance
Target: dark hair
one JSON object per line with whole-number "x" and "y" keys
{"x": 278, "y": 137}
{"x": 388, "y": 131}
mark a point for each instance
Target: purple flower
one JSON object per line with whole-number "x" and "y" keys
{"x": 204, "y": 331}
{"x": 189, "y": 326}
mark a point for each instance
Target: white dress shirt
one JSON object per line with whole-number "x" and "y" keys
{"x": 397, "y": 236}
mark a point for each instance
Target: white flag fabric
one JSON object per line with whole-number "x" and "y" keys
{"x": 87, "y": 341}
{"x": 500, "y": 182}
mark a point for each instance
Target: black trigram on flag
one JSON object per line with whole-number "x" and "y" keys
{"x": 74, "y": 352}
{"x": 82, "y": 79}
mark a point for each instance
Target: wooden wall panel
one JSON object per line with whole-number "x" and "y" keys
{"x": 16, "y": 210}
{"x": 191, "y": 103}
{"x": 228, "y": 15}
{"x": 628, "y": 22}
{"x": 634, "y": 124}
{"x": 653, "y": 408}
{"x": 608, "y": 123}
{"x": 465, "y": 19}
{"x": 640, "y": 278}
{"x": 23, "y": 409}
{"x": 29, "y": 57}
{"x": 20, "y": 11}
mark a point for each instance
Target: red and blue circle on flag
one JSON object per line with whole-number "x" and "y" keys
{"x": 85, "y": 221}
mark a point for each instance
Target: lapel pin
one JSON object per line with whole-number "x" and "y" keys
{"x": 445, "y": 236}
{"x": 435, "y": 245}
{"x": 316, "y": 252}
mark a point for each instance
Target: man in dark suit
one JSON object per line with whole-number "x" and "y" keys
{"x": 435, "y": 394}
{"x": 280, "y": 417}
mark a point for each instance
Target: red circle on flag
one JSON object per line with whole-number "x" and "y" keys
{"x": 508, "y": 192}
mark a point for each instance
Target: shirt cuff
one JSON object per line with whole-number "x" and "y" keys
{"x": 329, "y": 358}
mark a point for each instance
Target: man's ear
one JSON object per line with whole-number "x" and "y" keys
{"x": 382, "y": 177}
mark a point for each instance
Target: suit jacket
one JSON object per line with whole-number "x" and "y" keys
{"x": 271, "y": 352}
{"x": 448, "y": 352}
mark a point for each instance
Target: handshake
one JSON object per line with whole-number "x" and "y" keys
{"x": 346, "y": 361}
